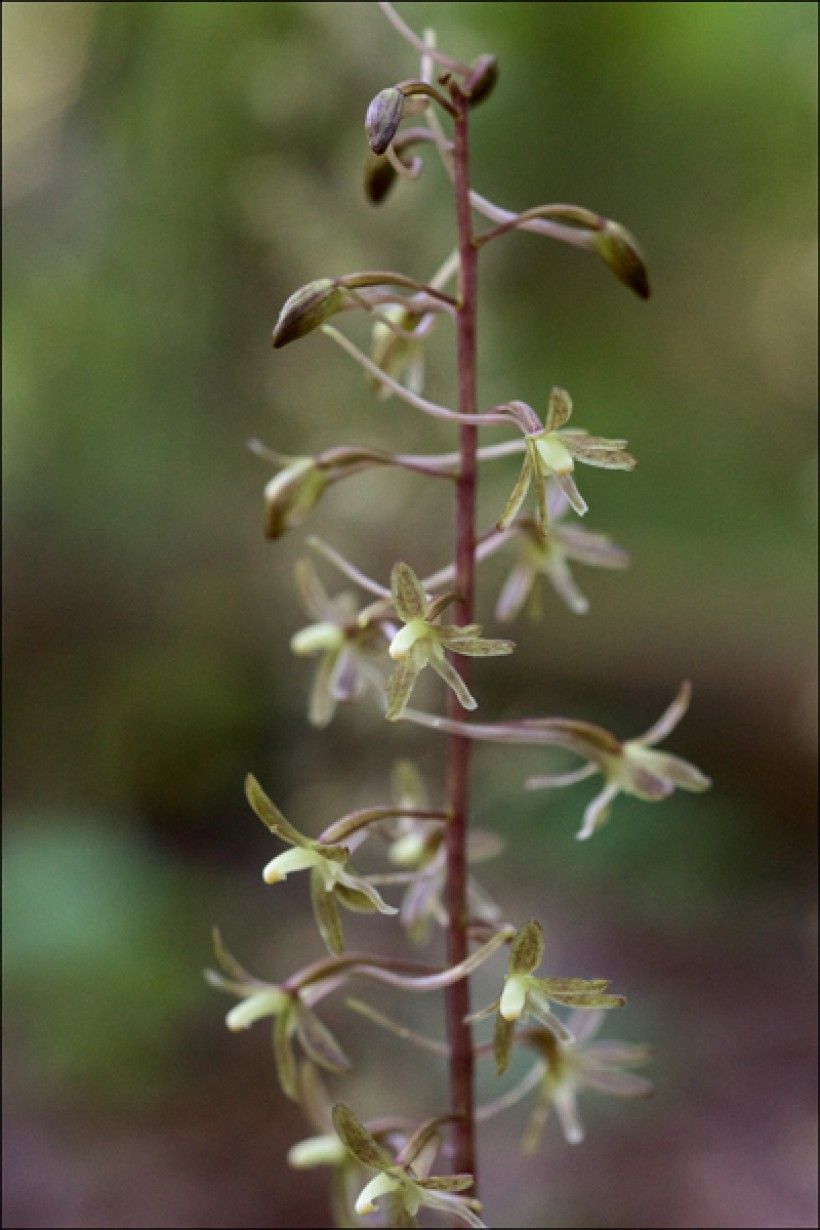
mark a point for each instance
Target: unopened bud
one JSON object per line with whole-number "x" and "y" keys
{"x": 383, "y": 118}
{"x": 306, "y": 309}
{"x": 480, "y": 82}
{"x": 379, "y": 177}
{"x": 620, "y": 251}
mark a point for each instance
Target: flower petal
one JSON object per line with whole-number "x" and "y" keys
{"x": 451, "y": 677}
{"x": 549, "y": 781}
{"x": 401, "y": 682}
{"x": 360, "y": 885}
{"x": 559, "y": 410}
{"x": 539, "y": 1008}
{"x": 567, "y": 484}
{"x": 355, "y": 1136}
{"x": 476, "y": 646}
{"x": 597, "y": 550}
{"x": 312, "y": 591}
{"x": 527, "y": 950}
{"x": 566, "y": 1108}
{"x": 615, "y": 1054}
{"x": 270, "y": 815}
{"x": 684, "y": 774}
{"x": 409, "y": 598}
{"x": 597, "y": 811}
{"x": 447, "y": 1183}
{"x": 515, "y": 591}
{"x": 318, "y": 1042}
{"x": 620, "y": 1084}
{"x": 502, "y": 1043}
{"x": 585, "y": 1025}
{"x": 518, "y": 493}
{"x": 460, "y": 1207}
{"x": 283, "y": 1055}
{"x": 564, "y": 585}
{"x": 377, "y": 1187}
{"x": 322, "y": 702}
{"x": 326, "y": 914}
{"x": 670, "y": 717}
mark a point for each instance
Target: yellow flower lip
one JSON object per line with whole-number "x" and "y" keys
{"x": 554, "y": 454}
{"x": 406, "y": 637}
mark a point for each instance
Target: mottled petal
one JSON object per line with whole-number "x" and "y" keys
{"x": 527, "y": 950}
{"x": 447, "y": 1183}
{"x": 502, "y": 1043}
{"x": 597, "y": 811}
{"x": 270, "y": 815}
{"x": 559, "y": 410}
{"x": 535, "y": 1127}
{"x": 409, "y": 598}
{"x": 326, "y": 914}
{"x": 284, "y": 1056}
{"x": 518, "y": 494}
{"x": 401, "y": 682}
{"x": 476, "y": 646}
{"x": 670, "y": 717}
{"x": 352, "y": 1132}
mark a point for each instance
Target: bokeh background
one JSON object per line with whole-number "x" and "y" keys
{"x": 172, "y": 172}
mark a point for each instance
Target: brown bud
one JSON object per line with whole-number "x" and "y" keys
{"x": 383, "y": 118}
{"x": 379, "y": 177}
{"x": 620, "y": 251}
{"x": 307, "y": 308}
{"x": 480, "y": 82}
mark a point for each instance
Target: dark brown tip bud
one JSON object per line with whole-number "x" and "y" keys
{"x": 620, "y": 251}
{"x": 480, "y": 82}
{"x": 379, "y": 177}
{"x": 307, "y": 308}
{"x": 383, "y": 118}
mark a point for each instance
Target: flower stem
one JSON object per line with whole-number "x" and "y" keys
{"x": 457, "y": 997}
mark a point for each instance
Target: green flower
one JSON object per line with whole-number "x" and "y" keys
{"x": 330, "y": 884}
{"x": 341, "y": 643}
{"x": 564, "y": 1069}
{"x": 404, "y": 1180}
{"x": 523, "y": 994}
{"x": 291, "y": 1012}
{"x": 421, "y": 642}
{"x": 292, "y": 494}
{"x": 547, "y": 553}
{"x": 552, "y": 453}
{"x": 633, "y": 767}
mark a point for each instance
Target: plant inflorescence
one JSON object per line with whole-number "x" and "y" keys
{"x": 379, "y": 645}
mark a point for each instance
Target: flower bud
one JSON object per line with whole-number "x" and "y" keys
{"x": 379, "y": 177}
{"x": 383, "y": 118}
{"x": 317, "y": 1151}
{"x": 481, "y": 80}
{"x": 306, "y": 309}
{"x": 620, "y": 251}
{"x": 291, "y": 494}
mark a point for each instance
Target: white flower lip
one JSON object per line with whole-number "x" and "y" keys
{"x": 297, "y": 859}
{"x": 406, "y": 637}
{"x": 513, "y": 998}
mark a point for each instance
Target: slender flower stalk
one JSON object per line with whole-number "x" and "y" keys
{"x": 383, "y": 1166}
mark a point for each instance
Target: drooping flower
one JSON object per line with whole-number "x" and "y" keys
{"x": 292, "y": 1014}
{"x": 552, "y": 453}
{"x": 292, "y": 493}
{"x": 422, "y": 642}
{"x": 523, "y": 994}
{"x": 572, "y": 1067}
{"x": 547, "y": 553}
{"x": 343, "y": 644}
{"x": 331, "y": 884}
{"x": 404, "y": 1180}
{"x": 631, "y": 767}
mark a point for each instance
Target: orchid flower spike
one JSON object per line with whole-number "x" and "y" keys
{"x": 331, "y": 884}
{"x": 552, "y": 453}
{"x": 422, "y": 642}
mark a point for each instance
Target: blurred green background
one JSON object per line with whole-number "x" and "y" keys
{"x": 172, "y": 172}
